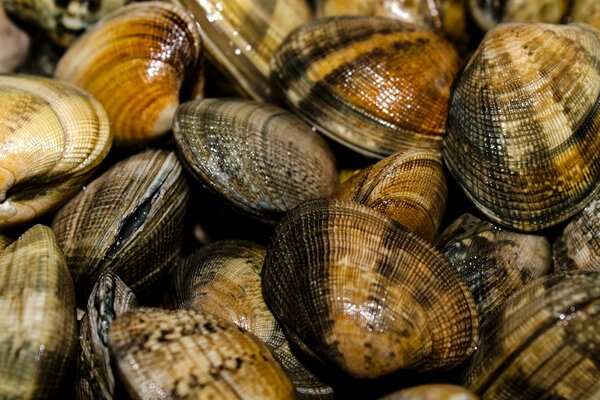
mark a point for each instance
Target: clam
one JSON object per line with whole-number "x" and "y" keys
{"x": 52, "y": 138}
{"x": 432, "y": 392}
{"x": 523, "y": 133}
{"x": 376, "y": 85}
{"x": 241, "y": 35}
{"x": 109, "y": 299}
{"x": 409, "y": 187}
{"x": 129, "y": 221}
{"x": 223, "y": 279}
{"x": 542, "y": 343}
{"x": 188, "y": 354}
{"x": 135, "y": 61}
{"x": 14, "y": 44}
{"x": 489, "y": 13}
{"x": 494, "y": 261}
{"x": 259, "y": 158}
{"x": 364, "y": 294}
{"x": 587, "y": 11}
{"x": 4, "y": 241}
{"x": 38, "y": 325}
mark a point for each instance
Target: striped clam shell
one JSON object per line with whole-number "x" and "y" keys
{"x": 523, "y": 130}
{"x": 241, "y": 35}
{"x": 542, "y": 343}
{"x": 489, "y": 13}
{"x": 259, "y": 158}
{"x": 587, "y": 11}
{"x": 188, "y": 354}
{"x": 129, "y": 220}
{"x": 365, "y": 294}
{"x": 375, "y": 84}
{"x": 38, "y": 327}
{"x": 494, "y": 261}
{"x": 432, "y": 392}
{"x": 223, "y": 278}
{"x": 409, "y": 187}
{"x": 135, "y": 61}
{"x": 52, "y": 138}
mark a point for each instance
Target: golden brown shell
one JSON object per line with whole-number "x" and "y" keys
{"x": 489, "y": 13}
{"x": 587, "y": 11}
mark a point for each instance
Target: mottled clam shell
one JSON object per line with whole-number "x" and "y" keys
{"x": 109, "y": 299}
{"x": 488, "y": 13}
{"x": 14, "y": 44}
{"x": 135, "y": 61}
{"x": 522, "y": 137}
{"x": 223, "y": 279}
{"x": 543, "y": 342}
{"x": 494, "y": 261}
{"x": 188, "y": 354}
{"x": 432, "y": 392}
{"x": 4, "y": 241}
{"x": 376, "y": 85}
{"x": 364, "y": 293}
{"x": 52, "y": 138}
{"x": 587, "y": 11}
{"x": 241, "y": 35}
{"x": 38, "y": 327}
{"x": 128, "y": 221}
{"x": 259, "y": 158}
{"x": 409, "y": 187}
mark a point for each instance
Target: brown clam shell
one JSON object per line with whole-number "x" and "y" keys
{"x": 374, "y": 84}
{"x": 432, "y": 392}
{"x": 587, "y": 11}
{"x": 364, "y": 293}
{"x": 188, "y": 354}
{"x": 409, "y": 187}
{"x": 488, "y": 14}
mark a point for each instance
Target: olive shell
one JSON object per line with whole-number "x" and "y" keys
{"x": 129, "y": 220}
{"x": 188, "y": 354}
{"x": 374, "y": 84}
{"x": 52, "y": 138}
{"x": 134, "y": 61}
{"x": 432, "y": 392}
{"x": 488, "y": 14}
{"x": 364, "y": 293}
{"x": 523, "y": 130}
{"x": 409, "y": 187}
{"x": 38, "y": 325}
{"x": 542, "y": 343}
{"x": 259, "y": 158}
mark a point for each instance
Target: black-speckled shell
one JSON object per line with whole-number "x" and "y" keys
{"x": 364, "y": 293}
{"x": 523, "y": 133}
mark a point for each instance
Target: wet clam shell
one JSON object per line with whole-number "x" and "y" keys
{"x": 52, "y": 138}
{"x": 542, "y": 343}
{"x": 488, "y": 14}
{"x": 374, "y": 84}
{"x": 259, "y": 158}
{"x": 223, "y": 278}
{"x": 409, "y": 187}
{"x": 135, "y": 62}
{"x": 190, "y": 354}
{"x": 365, "y": 294}
{"x": 38, "y": 325}
{"x": 129, "y": 220}
{"x": 432, "y": 392}
{"x": 522, "y": 136}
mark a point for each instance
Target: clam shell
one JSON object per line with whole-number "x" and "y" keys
{"x": 494, "y": 261}
{"x": 489, "y": 13}
{"x": 409, "y": 187}
{"x": 223, "y": 279}
{"x": 587, "y": 11}
{"x": 259, "y": 158}
{"x": 14, "y": 44}
{"x": 241, "y": 35}
{"x": 109, "y": 299}
{"x": 38, "y": 325}
{"x": 52, "y": 138}
{"x": 128, "y": 221}
{"x": 374, "y": 84}
{"x": 543, "y": 342}
{"x": 432, "y": 392}
{"x": 188, "y": 354}
{"x": 364, "y": 293}
{"x": 523, "y": 130}
{"x": 135, "y": 61}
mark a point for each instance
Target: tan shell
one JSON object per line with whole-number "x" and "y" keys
{"x": 523, "y": 130}
{"x": 409, "y": 187}
{"x": 129, "y": 220}
{"x": 38, "y": 325}
{"x": 223, "y": 279}
{"x": 432, "y": 392}
{"x": 188, "y": 354}
{"x": 488, "y": 13}
{"x": 4, "y": 241}
{"x": 587, "y": 11}
{"x": 52, "y": 137}
{"x": 14, "y": 43}
{"x": 364, "y": 293}
{"x": 376, "y": 85}
{"x": 135, "y": 61}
